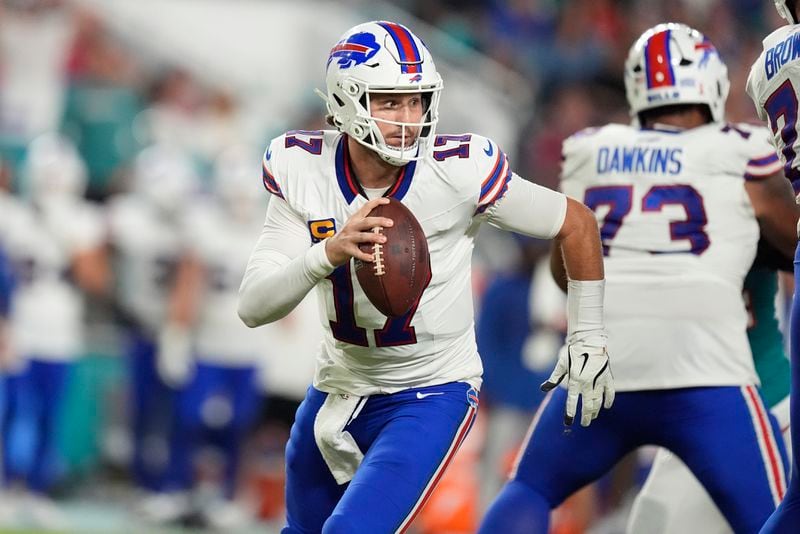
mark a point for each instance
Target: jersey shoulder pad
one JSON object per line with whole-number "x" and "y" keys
{"x": 479, "y": 158}
{"x": 578, "y": 150}
{"x": 755, "y": 154}
{"x": 289, "y": 155}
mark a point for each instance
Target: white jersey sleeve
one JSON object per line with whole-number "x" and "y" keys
{"x": 284, "y": 266}
{"x": 774, "y": 87}
{"x": 503, "y": 198}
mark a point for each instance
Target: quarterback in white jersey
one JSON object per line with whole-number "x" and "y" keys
{"x": 381, "y": 380}
{"x": 773, "y": 85}
{"x": 678, "y": 197}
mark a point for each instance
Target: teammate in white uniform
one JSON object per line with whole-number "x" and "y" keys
{"x": 205, "y": 352}
{"x": 393, "y": 398}
{"x": 145, "y": 228}
{"x": 55, "y": 245}
{"x": 678, "y": 201}
{"x": 773, "y": 85}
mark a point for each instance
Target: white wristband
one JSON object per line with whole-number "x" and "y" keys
{"x": 585, "y": 311}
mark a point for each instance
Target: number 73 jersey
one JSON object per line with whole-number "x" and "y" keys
{"x": 773, "y": 85}
{"x": 679, "y": 235}
{"x": 450, "y": 193}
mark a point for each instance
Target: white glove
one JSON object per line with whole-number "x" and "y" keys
{"x": 174, "y": 356}
{"x": 588, "y": 374}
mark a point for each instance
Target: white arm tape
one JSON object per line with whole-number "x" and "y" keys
{"x": 585, "y": 311}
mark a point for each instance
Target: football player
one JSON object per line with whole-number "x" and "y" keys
{"x": 55, "y": 243}
{"x": 678, "y": 196}
{"x": 394, "y": 397}
{"x": 205, "y": 352}
{"x": 672, "y": 500}
{"x": 773, "y": 85}
{"x": 147, "y": 241}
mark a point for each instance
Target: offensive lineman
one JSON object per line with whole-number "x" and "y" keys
{"x": 679, "y": 201}
{"x": 393, "y": 398}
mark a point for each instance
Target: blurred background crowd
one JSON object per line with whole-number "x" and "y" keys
{"x": 131, "y": 135}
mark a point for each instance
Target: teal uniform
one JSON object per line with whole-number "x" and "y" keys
{"x": 766, "y": 339}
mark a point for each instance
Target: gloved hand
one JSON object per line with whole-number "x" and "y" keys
{"x": 174, "y": 356}
{"x": 588, "y": 373}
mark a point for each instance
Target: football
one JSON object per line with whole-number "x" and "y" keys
{"x": 394, "y": 282}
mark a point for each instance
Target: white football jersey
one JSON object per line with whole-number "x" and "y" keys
{"x": 679, "y": 235}
{"x": 450, "y": 193}
{"x": 774, "y": 86}
{"x": 222, "y": 244}
{"x": 47, "y": 309}
{"x": 149, "y": 246}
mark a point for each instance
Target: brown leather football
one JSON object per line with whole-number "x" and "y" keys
{"x": 394, "y": 282}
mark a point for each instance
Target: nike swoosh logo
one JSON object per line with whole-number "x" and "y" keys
{"x": 585, "y": 361}
{"x": 269, "y": 153}
{"x": 490, "y": 150}
{"x": 423, "y": 395}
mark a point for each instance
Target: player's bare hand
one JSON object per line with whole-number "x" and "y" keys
{"x": 358, "y": 229}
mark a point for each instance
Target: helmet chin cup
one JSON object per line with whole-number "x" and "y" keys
{"x": 382, "y": 57}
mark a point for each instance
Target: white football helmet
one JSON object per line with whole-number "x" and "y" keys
{"x": 382, "y": 57}
{"x": 785, "y": 11}
{"x": 166, "y": 177}
{"x": 674, "y": 64}
{"x": 53, "y": 168}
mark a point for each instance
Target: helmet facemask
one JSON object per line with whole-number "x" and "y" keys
{"x": 786, "y": 9}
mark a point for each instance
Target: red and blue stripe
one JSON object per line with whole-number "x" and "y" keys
{"x": 496, "y": 184}
{"x": 763, "y": 167}
{"x": 344, "y": 175}
{"x": 270, "y": 184}
{"x": 410, "y": 58}
{"x": 349, "y": 186}
{"x": 657, "y": 61}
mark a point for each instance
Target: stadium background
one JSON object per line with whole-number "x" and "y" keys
{"x": 203, "y": 75}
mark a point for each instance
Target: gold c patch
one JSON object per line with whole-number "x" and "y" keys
{"x": 321, "y": 229}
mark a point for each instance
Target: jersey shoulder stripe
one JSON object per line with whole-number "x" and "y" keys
{"x": 763, "y": 167}
{"x": 495, "y": 185}
{"x": 270, "y": 184}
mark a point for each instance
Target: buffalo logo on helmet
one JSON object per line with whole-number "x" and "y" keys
{"x": 355, "y": 50}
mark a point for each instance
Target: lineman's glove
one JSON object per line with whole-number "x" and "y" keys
{"x": 589, "y": 375}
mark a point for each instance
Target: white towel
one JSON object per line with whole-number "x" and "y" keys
{"x": 337, "y": 446}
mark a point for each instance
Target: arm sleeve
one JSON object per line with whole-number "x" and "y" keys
{"x": 529, "y": 209}
{"x": 282, "y": 268}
